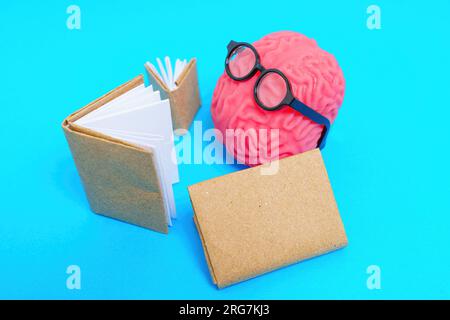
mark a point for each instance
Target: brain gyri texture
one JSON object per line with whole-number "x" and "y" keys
{"x": 316, "y": 80}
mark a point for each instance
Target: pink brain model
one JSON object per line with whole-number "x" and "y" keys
{"x": 316, "y": 79}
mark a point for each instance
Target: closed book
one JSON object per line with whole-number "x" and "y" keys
{"x": 251, "y": 223}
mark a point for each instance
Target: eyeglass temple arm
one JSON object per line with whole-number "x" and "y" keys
{"x": 231, "y": 44}
{"x": 314, "y": 116}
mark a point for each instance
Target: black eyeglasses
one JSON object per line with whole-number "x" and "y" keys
{"x": 272, "y": 90}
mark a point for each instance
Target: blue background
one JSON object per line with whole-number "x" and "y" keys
{"x": 387, "y": 155}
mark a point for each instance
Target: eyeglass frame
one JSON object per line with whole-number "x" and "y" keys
{"x": 289, "y": 100}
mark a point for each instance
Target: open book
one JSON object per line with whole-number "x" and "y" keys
{"x": 139, "y": 117}
{"x": 179, "y": 84}
{"x": 166, "y": 74}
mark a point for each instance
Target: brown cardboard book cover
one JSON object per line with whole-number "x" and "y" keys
{"x": 185, "y": 99}
{"x": 250, "y": 223}
{"x": 119, "y": 178}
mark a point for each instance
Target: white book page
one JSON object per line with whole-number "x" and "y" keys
{"x": 120, "y": 99}
{"x": 178, "y": 69}
{"x": 139, "y": 98}
{"x": 152, "y": 119}
{"x": 138, "y": 135}
{"x": 169, "y": 73}
{"x": 163, "y": 72}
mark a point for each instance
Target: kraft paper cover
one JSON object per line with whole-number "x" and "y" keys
{"x": 185, "y": 99}
{"x": 119, "y": 178}
{"x": 250, "y": 224}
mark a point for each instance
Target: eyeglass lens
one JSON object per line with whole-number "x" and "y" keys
{"x": 271, "y": 90}
{"x": 242, "y": 61}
